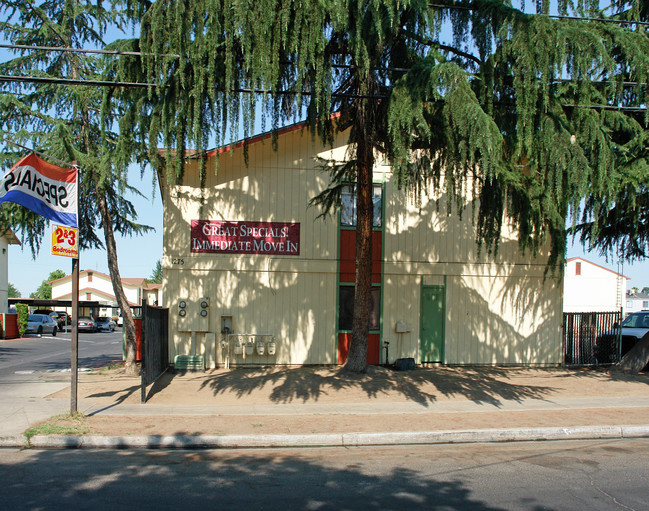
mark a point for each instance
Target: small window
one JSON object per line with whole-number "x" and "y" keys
{"x": 645, "y": 304}
{"x": 348, "y": 205}
{"x": 577, "y": 268}
{"x": 88, "y": 296}
{"x": 346, "y": 308}
{"x": 89, "y": 276}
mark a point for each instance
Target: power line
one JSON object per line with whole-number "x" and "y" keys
{"x": 108, "y": 83}
{"x": 118, "y": 53}
{"x": 104, "y": 83}
{"x": 553, "y": 16}
{"x": 83, "y": 50}
{"x": 69, "y": 81}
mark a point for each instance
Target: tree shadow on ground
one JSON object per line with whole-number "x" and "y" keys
{"x": 608, "y": 373}
{"x": 284, "y": 385}
{"x": 123, "y": 479}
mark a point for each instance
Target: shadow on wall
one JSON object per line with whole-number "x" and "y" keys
{"x": 500, "y": 308}
{"x": 484, "y": 324}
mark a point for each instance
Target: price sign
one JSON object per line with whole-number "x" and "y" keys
{"x": 65, "y": 241}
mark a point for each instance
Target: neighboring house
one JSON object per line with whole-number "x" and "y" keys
{"x": 589, "y": 287}
{"x": 97, "y": 286}
{"x": 636, "y": 302}
{"x": 244, "y": 253}
{"x": 7, "y": 238}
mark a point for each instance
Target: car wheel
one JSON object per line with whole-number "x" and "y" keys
{"x": 40, "y": 330}
{"x": 54, "y": 332}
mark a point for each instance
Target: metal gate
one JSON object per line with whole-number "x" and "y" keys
{"x": 155, "y": 341}
{"x": 581, "y": 331}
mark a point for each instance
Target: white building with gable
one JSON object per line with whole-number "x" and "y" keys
{"x": 589, "y": 287}
{"x": 96, "y": 286}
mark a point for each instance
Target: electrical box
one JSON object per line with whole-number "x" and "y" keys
{"x": 202, "y": 313}
{"x": 226, "y": 324}
{"x": 183, "y": 314}
{"x": 402, "y": 327}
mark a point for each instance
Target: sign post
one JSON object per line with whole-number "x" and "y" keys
{"x": 65, "y": 242}
{"x": 74, "y": 350}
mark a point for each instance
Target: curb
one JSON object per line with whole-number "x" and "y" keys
{"x": 325, "y": 440}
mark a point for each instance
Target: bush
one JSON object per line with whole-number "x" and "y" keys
{"x": 23, "y": 314}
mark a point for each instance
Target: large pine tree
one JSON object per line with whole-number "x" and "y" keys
{"x": 527, "y": 113}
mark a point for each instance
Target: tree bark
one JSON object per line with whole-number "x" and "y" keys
{"x": 357, "y": 357}
{"x": 130, "y": 365}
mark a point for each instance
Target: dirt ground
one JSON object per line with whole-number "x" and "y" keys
{"x": 247, "y": 387}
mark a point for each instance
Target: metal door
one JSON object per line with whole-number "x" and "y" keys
{"x": 432, "y": 316}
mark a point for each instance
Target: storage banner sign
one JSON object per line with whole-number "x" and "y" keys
{"x": 46, "y": 189}
{"x": 240, "y": 237}
{"x": 65, "y": 241}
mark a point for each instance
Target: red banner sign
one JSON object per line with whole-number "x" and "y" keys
{"x": 227, "y": 237}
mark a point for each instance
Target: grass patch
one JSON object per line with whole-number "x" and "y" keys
{"x": 108, "y": 368}
{"x": 64, "y": 424}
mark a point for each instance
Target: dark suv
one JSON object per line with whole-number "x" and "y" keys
{"x": 633, "y": 328}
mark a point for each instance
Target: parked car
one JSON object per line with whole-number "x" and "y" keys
{"x": 120, "y": 320}
{"x": 67, "y": 320}
{"x": 632, "y": 329}
{"x": 55, "y": 316}
{"x": 86, "y": 324}
{"x": 105, "y": 324}
{"x": 41, "y": 323}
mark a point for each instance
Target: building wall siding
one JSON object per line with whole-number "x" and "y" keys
{"x": 500, "y": 310}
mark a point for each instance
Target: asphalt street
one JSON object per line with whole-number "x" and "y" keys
{"x": 47, "y": 353}
{"x": 565, "y": 475}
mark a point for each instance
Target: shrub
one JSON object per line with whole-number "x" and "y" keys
{"x": 23, "y": 314}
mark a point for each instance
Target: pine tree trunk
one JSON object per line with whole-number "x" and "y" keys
{"x": 130, "y": 365}
{"x": 357, "y": 358}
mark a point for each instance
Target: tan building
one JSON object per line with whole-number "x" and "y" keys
{"x": 244, "y": 254}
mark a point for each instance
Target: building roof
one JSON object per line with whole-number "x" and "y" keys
{"x": 11, "y": 238}
{"x": 639, "y": 295}
{"x": 131, "y": 282}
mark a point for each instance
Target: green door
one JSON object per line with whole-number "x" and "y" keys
{"x": 432, "y": 324}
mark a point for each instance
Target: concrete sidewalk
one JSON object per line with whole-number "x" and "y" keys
{"x": 249, "y": 407}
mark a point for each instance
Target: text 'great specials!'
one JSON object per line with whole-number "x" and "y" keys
{"x": 241, "y": 237}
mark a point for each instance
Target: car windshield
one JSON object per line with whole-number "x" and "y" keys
{"x": 33, "y": 317}
{"x": 637, "y": 321}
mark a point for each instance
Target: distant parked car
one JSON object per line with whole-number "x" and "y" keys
{"x": 41, "y": 323}
{"x": 86, "y": 324}
{"x": 67, "y": 320}
{"x": 120, "y": 320}
{"x": 105, "y": 324}
{"x": 55, "y": 316}
{"x": 632, "y": 329}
